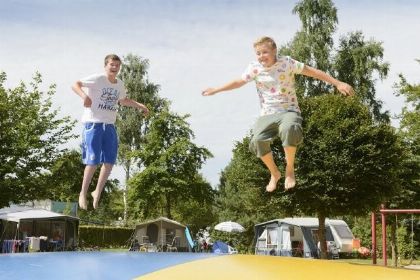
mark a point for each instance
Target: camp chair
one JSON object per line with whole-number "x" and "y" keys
{"x": 232, "y": 250}
{"x": 332, "y": 249}
{"x": 173, "y": 246}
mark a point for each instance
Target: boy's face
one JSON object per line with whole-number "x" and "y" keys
{"x": 266, "y": 55}
{"x": 112, "y": 68}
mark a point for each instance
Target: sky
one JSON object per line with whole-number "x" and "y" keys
{"x": 190, "y": 45}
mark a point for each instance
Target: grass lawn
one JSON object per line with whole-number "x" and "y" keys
{"x": 114, "y": 250}
{"x": 378, "y": 262}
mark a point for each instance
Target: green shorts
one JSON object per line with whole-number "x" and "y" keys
{"x": 287, "y": 126}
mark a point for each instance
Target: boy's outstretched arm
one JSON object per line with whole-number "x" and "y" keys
{"x": 134, "y": 104}
{"x": 229, "y": 86}
{"x": 342, "y": 87}
{"x": 77, "y": 88}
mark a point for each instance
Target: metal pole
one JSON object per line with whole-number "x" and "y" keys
{"x": 384, "y": 239}
{"x": 373, "y": 221}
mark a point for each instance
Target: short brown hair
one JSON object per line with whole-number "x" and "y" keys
{"x": 265, "y": 40}
{"x": 112, "y": 57}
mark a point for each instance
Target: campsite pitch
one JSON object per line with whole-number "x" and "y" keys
{"x": 184, "y": 266}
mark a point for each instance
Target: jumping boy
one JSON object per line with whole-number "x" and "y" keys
{"x": 100, "y": 142}
{"x": 280, "y": 113}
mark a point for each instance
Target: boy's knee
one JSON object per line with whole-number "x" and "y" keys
{"x": 292, "y": 134}
{"x": 259, "y": 147}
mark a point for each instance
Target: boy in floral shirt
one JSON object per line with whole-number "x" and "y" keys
{"x": 280, "y": 113}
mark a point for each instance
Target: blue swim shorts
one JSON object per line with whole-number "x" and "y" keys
{"x": 100, "y": 143}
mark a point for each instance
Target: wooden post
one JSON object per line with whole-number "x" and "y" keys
{"x": 373, "y": 221}
{"x": 384, "y": 237}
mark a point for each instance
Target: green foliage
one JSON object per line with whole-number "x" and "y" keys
{"x": 66, "y": 175}
{"x": 30, "y": 141}
{"x": 104, "y": 237}
{"x": 362, "y": 229}
{"x": 359, "y": 61}
{"x": 314, "y": 43}
{"x": 407, "y": 250}
{"x": 355, "y": 60}
{"x": 132, "y": 126}
{"x": 409, "y": 132}
{"x": 170, "y": 178}
{"x": 348, "y": 163}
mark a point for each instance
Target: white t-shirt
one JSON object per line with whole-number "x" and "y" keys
{"x": 275, "y": 85}
{"x": 104, "y": 96}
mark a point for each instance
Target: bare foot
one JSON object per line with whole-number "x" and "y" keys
{"x": 82, "y": 201}
{"x": 96, "y": 197}
{"x": 272, "y": 185}
{"x": 290, "y": 180}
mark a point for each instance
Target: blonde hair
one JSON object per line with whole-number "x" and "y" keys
{"x": 112, "y": 57}
{"x": 265, "y": 40}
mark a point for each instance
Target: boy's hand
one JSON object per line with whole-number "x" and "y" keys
{"x": 208, "y": 92}
{"x": 345, "y": 89}
{"x": 87, "y": 102}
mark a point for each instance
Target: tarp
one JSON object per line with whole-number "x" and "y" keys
{"x": 189, "y": 238}
{"x": 220, "y": 247}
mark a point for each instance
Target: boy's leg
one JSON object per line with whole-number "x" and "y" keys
{"x": 103, "y": 177}
{"x": 291, "y": 136}
{"x": 87, "y": 178}
{"x": 290, "y": 180}
{"x": 91, "y": 151}
{"x": 274, "y": 170}
{"x": 266, "y": 129}
{"x": 108, "y": 157}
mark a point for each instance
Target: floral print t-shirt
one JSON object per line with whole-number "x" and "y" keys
{"x": 275, "y": 84}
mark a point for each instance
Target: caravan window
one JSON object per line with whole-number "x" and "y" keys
{"x": 343, "y": 231}
{"x": 272, "y": 236}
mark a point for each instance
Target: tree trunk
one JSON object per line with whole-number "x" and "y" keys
{"x": 127, "y": 177}
{"x": 321, "y": 236}
{"x": 394, "y": 248}
{"x": 168, "y": 207}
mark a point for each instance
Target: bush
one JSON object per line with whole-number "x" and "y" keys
{"x": 104, "y": 237}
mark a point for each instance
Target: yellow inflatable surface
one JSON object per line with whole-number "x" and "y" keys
{"x": 244, "y": 267}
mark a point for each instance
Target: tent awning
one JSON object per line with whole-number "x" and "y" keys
{"x": 18, "y": 214}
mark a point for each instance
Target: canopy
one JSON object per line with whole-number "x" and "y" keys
{"x": 229, "y": 226}
{"x": 16, "y": 214}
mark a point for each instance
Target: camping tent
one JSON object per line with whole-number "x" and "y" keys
{"x": 299, "y": 237}
{"x": 160, "y": 232}
{"x": 17, "y": 223}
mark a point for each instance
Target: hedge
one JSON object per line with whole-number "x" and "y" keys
{"x": 104, "y": 237}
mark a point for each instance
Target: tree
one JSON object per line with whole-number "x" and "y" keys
{"x": 348, "y": 163}
{"x": 132, "y": 126}
{"x": 409, "y": 195}
{"x": 359, "y": 61}
{"x": 171, "y": 163}
{"x": 65, "y": 177}
{"x": 409, "y": 132}
{"x": 355, "y": 61}
{"x": 313, "y": 44}
{"x": 31, "y": 139}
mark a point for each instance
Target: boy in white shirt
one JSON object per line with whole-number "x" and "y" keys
{"x": 280, "y": 113}
{"x": 101, "y": 95}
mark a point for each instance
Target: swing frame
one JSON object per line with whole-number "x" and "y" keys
{"x": 383, "y": 213}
